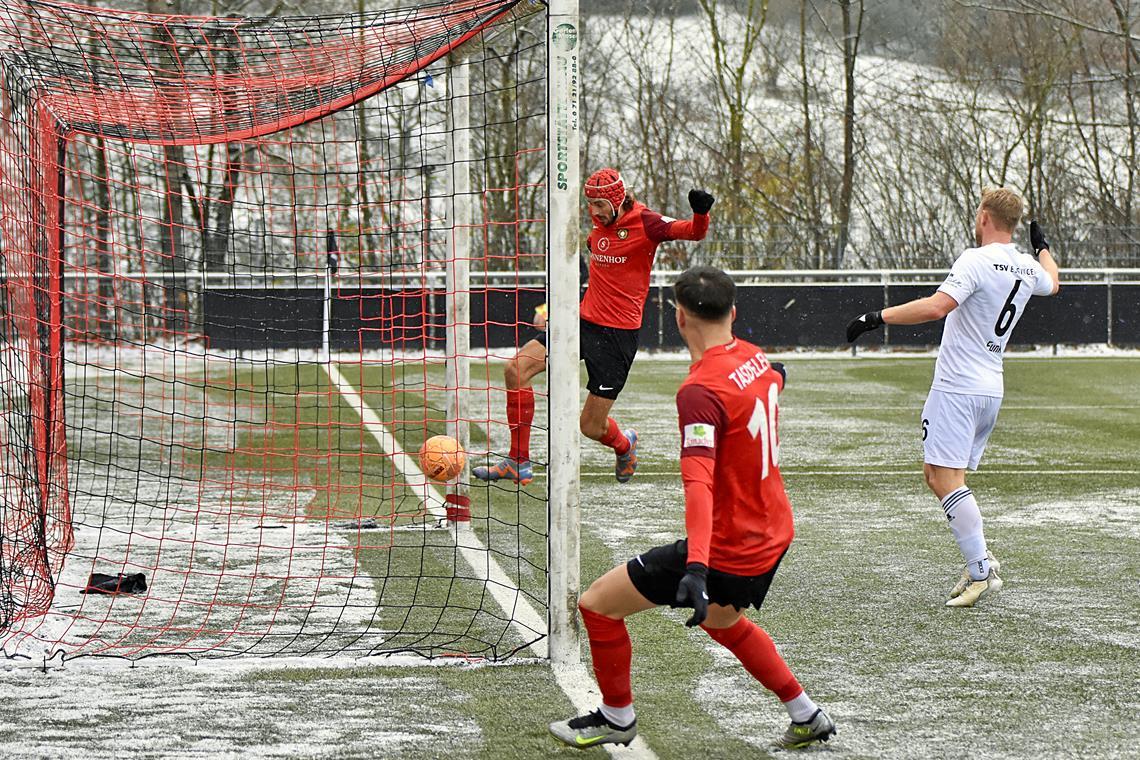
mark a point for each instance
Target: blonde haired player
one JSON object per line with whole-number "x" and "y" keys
{"x": 982, "y": 299}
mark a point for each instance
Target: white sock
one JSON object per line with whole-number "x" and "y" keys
{"x": 966, "y": 523}
{"x": 801, "y": 708}
{"x": 619, "y": 716}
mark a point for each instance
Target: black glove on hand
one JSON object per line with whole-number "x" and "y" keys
{"x": 864, "y": 323}
{"x": 1037, "y": 238}
{"x": 691, "y": 592}
{"x": 700, "y": 201}
{"x": 779, "y": 367}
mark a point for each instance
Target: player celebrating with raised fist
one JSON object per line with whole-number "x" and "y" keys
{"x": 982, "y": 299}
{"x": 621, "y": 245}
{"x": 737, "y": 518}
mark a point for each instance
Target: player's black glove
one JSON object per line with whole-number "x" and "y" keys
{"x": 700, "y": 201}
{"x": 1037, "y": 238}
{"x": 872, "y": 320}
{"x": 691, "y": 592}
{"x": 779, "y": 367}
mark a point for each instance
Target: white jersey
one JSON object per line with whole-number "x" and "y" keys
{"x": 991, "y": 284}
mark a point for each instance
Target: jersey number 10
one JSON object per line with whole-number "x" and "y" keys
{"x": 763, "y": 425}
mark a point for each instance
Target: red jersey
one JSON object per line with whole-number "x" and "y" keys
{"x": 730, "y": 446}
{"x": 621, "y": 256}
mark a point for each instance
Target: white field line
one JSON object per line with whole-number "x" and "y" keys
{"x": 874, "y": 473}
{"x": 471, "y": 547}
{"x": 1004, "y": 407}
{"x": 578, "y": 685}
{"x": 573, "y": 679}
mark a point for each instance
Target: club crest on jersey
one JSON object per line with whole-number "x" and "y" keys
{"x": 699, "y": 434}
{"x": 604, "y": 244}
{"x": 623, "y": 234}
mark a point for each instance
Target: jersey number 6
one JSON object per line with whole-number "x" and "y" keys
{"x": 763, "y": 425}
{"x": 1005, "y": 318}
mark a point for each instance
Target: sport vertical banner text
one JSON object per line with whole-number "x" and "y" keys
{"x": 563, "y": 187}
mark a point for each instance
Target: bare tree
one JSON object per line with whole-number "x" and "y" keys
{"x": 735, "y": 42}
{"x": 852, "y": 31}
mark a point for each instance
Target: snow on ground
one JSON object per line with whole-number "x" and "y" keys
{"x": 230, "y": 560}
{"x": 95, "y": 710}
{"x": 1115, "y": 512}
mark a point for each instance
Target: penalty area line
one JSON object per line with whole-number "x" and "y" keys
{"x": 875, "y": 473}
{"x": 508, "y": 596}
{"x": 572, "y": 679}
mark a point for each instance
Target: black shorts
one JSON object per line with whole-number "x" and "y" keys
{"x": 608, "y": 353}
{"x": 657, "y": 573}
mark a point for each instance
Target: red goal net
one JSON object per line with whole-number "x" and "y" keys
{"x": 248, "y": 265}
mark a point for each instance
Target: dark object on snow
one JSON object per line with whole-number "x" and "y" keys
{"x": 123, "y": 583}
{"x": 365, "y": 523}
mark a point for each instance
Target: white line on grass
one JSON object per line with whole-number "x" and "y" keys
{"x": 1004, "y": 408}
{"x": 869, "y": 473}
{"x": 523, "y": 616}
{"x": 573, "y": 679}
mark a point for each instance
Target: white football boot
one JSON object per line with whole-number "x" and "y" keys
{"x": 975, "y": 590}
{"x": 966, "y": 580}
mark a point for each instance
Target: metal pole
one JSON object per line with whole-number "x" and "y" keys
{"x": 1108, "y": 285}
{"x": 562, "y": 188}
{"x": 326, "y": 317}
{"x": 458, "y": 274}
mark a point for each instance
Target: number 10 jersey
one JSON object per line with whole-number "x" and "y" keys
{"x": 728, "y": 411}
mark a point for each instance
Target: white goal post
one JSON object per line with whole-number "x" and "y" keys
{"x": 563, "y": 237}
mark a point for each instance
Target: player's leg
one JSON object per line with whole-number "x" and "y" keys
{"x": 970, "y": 587}
{"x": 604, "y": 607}
{"x": 609, "y": 354}
{"x": 518, "y": 373}
{"x": 756, "y": 651}
{"x": 950, "y": 425}
{"x": 595, "y": 422}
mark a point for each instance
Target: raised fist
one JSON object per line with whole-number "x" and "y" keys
{"x": 1037, "y": 238}
{"x": 700, "y": 201}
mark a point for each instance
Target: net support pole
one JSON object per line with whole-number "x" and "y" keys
{"x": 457, "y": 281}
{"x": 326, "y": 316}
{"x": 562, "y": 186}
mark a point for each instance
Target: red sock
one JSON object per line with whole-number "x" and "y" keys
{"x": 754, "y": 648}
{"x": 611, "y": 651}
{"x": 520, "y": 415}
{"x": 614, "y": 438}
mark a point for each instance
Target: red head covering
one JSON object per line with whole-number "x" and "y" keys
{"x": 606, "y": 184}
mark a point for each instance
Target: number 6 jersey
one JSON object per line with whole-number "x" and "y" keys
{"x": 991, "y": 285}
{"x": 737, "y": 514}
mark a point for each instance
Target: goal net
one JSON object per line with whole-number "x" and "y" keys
{"x": 249, "y": 265}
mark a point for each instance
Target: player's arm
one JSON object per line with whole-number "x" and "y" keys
{"x": 701, "y": 417}
{"x": 963, "y": 280}
{"x": 914, "y": 312}
{"x": 697, "y": 477}
{"x": 659, "y": 229}
{"x": 1044, "y": 255}
{"x": 920, "y": 310}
